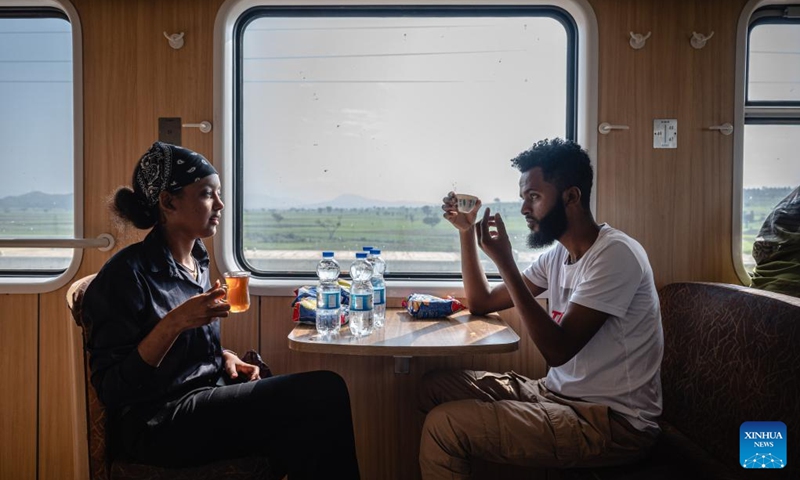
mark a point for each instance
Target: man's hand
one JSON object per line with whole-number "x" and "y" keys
{"x": 493, "y": 240}
{"x": 460, "y": 220}
{"x": 234, "y": 366}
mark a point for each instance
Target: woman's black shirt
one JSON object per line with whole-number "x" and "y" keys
{"x": 133, "y": 291}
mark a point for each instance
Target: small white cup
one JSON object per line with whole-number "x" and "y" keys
{"x": 466, "y": 202}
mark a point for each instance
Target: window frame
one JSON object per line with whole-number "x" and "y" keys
{"x": 41, "y": 281}
{"x": 754, "y": 112}
{"x": 229, "y": 25}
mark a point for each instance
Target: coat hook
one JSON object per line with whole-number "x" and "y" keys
{"x": 638, "y": 40}
{"x": 175, "y": 40}
{"x": 699, "y": 40}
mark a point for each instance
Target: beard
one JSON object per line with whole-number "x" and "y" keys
{"x": 551, "y": 226}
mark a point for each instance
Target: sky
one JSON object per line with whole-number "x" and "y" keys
{"x": 36, "y": 124}
{"x": 397, "y": 109}
{"x": 771, "y": 153}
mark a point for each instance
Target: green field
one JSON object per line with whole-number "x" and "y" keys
{"x": 420, "y": 229}
{"x": 36, "y": 222}
{"x": 398, "y": 229}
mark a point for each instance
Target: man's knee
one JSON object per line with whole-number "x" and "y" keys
{"x": 453, "y": 433}
{"x": 451, "y": 425}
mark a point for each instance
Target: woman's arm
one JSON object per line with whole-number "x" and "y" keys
{"x": 195, "y": 312}
{"x": 117, "y": 310}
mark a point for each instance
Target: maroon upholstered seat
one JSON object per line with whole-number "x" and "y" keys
{"x": 102, "y": 467}
{"x": 730, "y": 356}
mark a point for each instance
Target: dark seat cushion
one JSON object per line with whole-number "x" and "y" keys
{"x": 730, "y": 357}
{"x": 675, "y": 456}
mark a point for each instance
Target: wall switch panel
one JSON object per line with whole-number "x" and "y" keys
{"x": 665, "y": 133}
{"x": 169, "y": 130}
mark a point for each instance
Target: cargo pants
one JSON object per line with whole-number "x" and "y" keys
{"x": 508, "y": 418}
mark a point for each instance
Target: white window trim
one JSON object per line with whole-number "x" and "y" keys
{"x": 231, "y": 10}
{"x": 740, "y": 90}
{"x": 42, "y": 284}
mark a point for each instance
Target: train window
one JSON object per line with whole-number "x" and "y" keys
{"x": 349, "y": 125}
{"x": 770, "y": 169}
{"x": 37, "y": 141}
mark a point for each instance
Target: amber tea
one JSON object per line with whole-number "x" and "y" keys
{"x": 238, "y": 295}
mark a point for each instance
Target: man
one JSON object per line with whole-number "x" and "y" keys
{"x": 776, "y": 249}
{"x": 599, "y": 403}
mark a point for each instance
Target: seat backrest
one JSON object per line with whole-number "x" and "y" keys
{"x": 95, "y": 412}
{"x": 730, "y": 356}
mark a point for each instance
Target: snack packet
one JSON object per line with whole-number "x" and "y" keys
{"x": 422, "y": 305}
{"x": 304, "y": 305}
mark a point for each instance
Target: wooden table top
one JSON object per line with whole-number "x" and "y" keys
{"x": 403, "y": 335}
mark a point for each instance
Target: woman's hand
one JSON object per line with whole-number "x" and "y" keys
{"x": 460, "y": 220}
{"x": 234, "y": 366}
{"x": 200, "y": 310}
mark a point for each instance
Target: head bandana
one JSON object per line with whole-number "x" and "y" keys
{"x": 168, "y": 167}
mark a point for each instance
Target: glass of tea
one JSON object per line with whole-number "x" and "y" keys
{"x": 238, "y": 293}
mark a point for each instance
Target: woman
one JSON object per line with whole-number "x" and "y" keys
{"x": 174, "y": 396}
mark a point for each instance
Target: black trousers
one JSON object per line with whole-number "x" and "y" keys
{"x": 301, "y": 422}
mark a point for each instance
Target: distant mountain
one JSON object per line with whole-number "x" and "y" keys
{"x": 256, "y": 201}
{"x": 356, "y": 201}
{"x": 38, "y": 200}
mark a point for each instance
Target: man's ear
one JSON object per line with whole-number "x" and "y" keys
{"x": 571, "y": 195}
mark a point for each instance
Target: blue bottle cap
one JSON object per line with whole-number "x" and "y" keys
{"x": 375, "y": 251}
{"x": 361, "y": 255}
{"x": 327, "y": 254}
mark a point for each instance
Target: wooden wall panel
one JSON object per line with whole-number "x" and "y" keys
{"x": 676, "y": 202}
{"x": 118, "y": 106}
{"x": 63, "y": 447}
{"x": 713, "y": 73}
{"x": 19, "y": 395}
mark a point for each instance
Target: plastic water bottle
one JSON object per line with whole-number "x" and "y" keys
{"x": 329, "y": 297}
{"x": 378, "y": 287}
{"x": 361, "y": 313}
{"x": 367, "y": 250}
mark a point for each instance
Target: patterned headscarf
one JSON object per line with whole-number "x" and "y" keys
{"x": 168, "y": 167}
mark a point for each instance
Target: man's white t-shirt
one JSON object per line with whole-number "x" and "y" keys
{"x": 621, "y": 365}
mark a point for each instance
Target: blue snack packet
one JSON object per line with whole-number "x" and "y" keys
{"x": 304, "y": 305}
{"x": 421, "y": 305}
